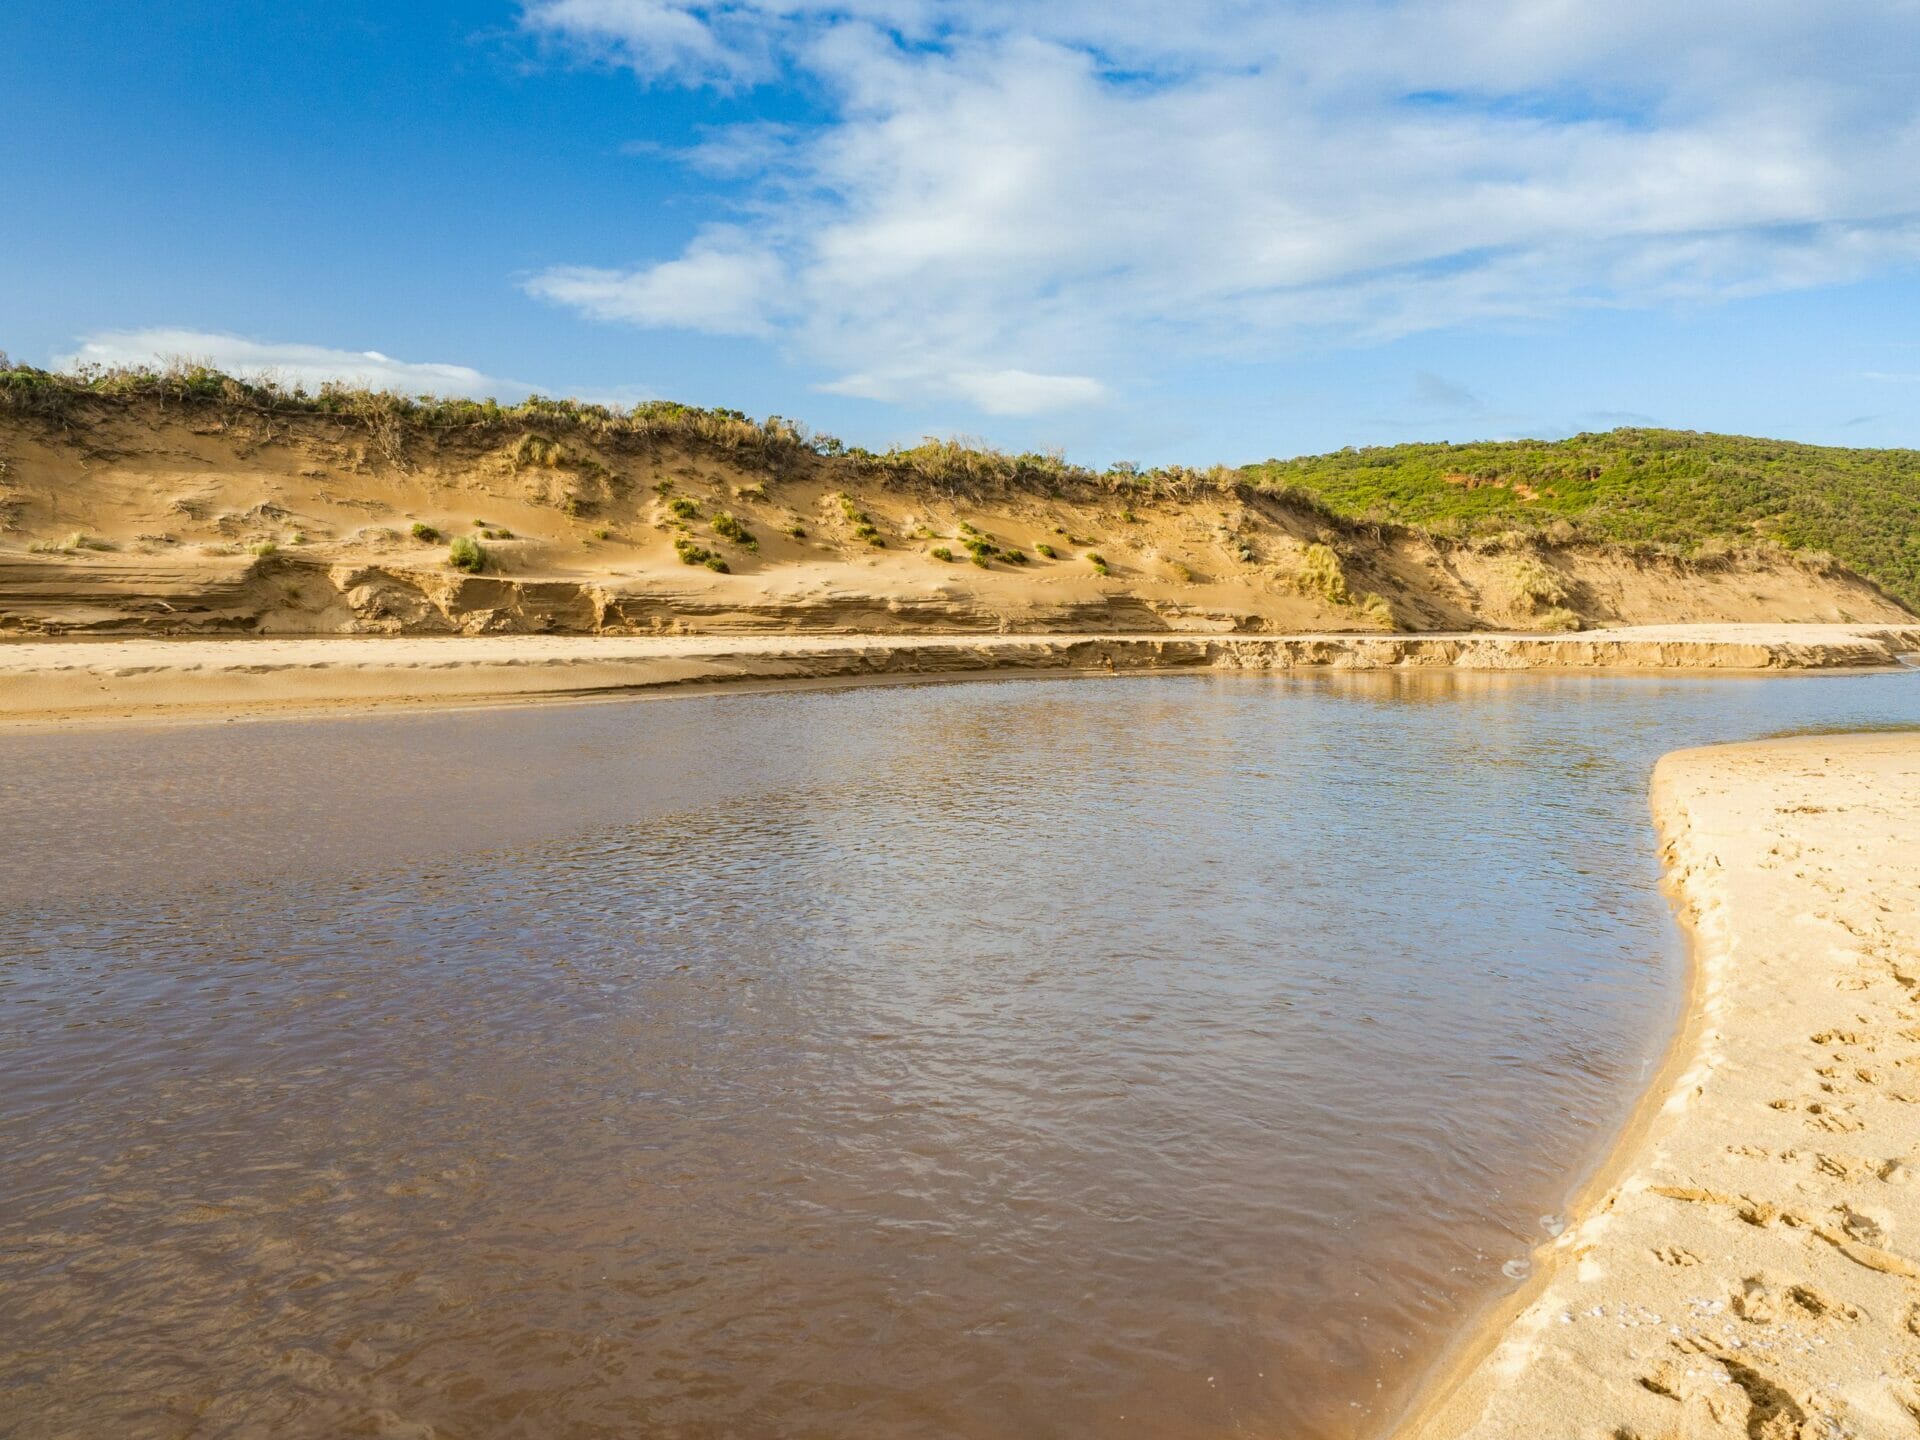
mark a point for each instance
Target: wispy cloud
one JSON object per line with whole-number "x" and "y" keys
{"x": 720, "y": 285}
{"x": 312, "y": 366}
{"x": 996, "y": 392}
{"x": 1033, "y": 188}
{"x": 293, "y": 364}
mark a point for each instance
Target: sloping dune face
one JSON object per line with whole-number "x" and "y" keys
{"x": 129, "y": 514}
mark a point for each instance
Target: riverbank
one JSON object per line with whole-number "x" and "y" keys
{"x": 50, "y": 682}
{"x": 1748, "y": 1262}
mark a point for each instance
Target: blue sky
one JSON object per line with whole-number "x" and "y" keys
{"x": 1215, "y": 231}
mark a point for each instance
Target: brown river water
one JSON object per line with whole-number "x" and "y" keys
{"x": 1171, "y": 1057}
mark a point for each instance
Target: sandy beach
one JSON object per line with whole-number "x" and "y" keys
{"x": 1748, "y": 1262}
{"x": 54, "y": 682}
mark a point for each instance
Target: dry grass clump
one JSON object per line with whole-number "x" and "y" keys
{"x": 1533, "y": 586}
{"x": 1377, "y": 609}
{"x": 1322, "y": 574}
{"x": 538, "y": 450}
{"x": 1540, "y": 592}
{"x": 1820, "y": 562}
{"x": 79, "y": 540}
{"x": 577, "y": 482}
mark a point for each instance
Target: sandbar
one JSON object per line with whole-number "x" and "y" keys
{"x": 1748, "y": 1262}
{"x": 47, "y": 682}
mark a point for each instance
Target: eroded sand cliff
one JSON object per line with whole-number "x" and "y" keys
{"x": 132, "y": 515}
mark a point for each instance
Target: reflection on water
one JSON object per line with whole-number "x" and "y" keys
{"x": 1171, "y": 1056}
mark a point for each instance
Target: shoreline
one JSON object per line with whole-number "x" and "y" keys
{"x": 1776, "y": 1315}
{"x": 1436, "y": 1410}
{"x": 112, "y": 680}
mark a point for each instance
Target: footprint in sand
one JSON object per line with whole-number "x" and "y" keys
{"x": 1835, "y": 1119}
{"x": 1810, "y": 1304}
{"x": 1843, "y": 1167}
{"x": 1754, "y": 1302}
{"x": 1868, "y": 1228}
{"x": 1675, "y": 1255}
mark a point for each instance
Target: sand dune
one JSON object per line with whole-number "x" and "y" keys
{"x": 131, "y": 516}
{"x": 1751, "y": 1266}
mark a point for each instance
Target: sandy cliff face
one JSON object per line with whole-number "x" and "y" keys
{"x": 166, "y": 520}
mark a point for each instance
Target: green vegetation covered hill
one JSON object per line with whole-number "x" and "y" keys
{"x": 1669, "y": 486}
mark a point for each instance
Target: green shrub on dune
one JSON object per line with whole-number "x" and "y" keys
{"x": 1695, "y": 492}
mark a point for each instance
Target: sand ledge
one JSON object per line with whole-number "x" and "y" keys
{"x": 1748, "y": 1262}
{"x": 49, "y": 681}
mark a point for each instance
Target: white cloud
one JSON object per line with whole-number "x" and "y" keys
{"x": 721, "y": 285}
{"x": 1021, "y": 392}
{"x": 996, "y": 392}
{"x": 308, "y": 365}
{"x": 1008, "y": 194}
{"x": 654, "y": 38}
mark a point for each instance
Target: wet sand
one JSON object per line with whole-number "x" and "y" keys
{"x": 1749, "y": 1262}
{"x": 45, "y": 682}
